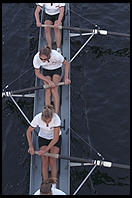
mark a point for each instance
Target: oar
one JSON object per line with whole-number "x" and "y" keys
{"x": 67, "y": 28}
{"x": 103, "y": 32}
{"x": 89, "y": 161}
{"x": 29, "y": 89}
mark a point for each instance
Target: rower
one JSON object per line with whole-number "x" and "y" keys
{"x": 54, "y": 13}
{"x": 51, "y": 62}
{"x": 49, "y": 139}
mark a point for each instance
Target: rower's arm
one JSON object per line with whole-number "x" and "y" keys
{"x": 61, "y": 14}
{"x": 54, "y": 140}
{"x": 36, "y": 13}
{"x": 66, "y": 65}
{"x": 41, "y": 76}
{"x": 29, "y": 138}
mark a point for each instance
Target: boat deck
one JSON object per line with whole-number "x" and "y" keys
{"x": 63, "y": 165}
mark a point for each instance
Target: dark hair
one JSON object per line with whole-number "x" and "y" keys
{"x": 45, "y": 187}
{"x": 45, "y": 51}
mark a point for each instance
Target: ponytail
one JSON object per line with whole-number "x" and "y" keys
{"x": 46, "y": 186}
{"x": 45, "y": 51}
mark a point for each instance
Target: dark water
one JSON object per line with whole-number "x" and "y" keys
{"x": 99, "y": 96}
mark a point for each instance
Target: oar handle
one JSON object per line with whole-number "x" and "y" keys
{"x": 49, "y": 154}
{"x": 59, "y": 84}
{"x": 52, "y": 26}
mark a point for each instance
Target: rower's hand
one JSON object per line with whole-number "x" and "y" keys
{"x": 41, "y": 152}
{"x": 67, "y": 81}
{"x": 51, "y": 84}
{"x": 57, "y": 23}
{"x": 31, "y": 150}
{"x": 38, "y": 24}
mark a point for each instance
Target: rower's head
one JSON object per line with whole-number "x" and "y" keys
{"x": 44, "y": 53}
{"x": 47, "y": 113}
{"x": 45, "y": 187}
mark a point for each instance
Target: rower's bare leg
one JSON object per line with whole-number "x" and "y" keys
{"x": 47, "y": 96}
{"x": 56, "y": 79}
{"x": 57, "y": 36}
{"x": 48, "y": 33}
{"x": 45, "y": 164}
{"x": 52, "y": 161}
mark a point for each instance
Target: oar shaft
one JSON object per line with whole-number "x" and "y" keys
{"x": 26, "y": 90}
{"x": 30, "y": 89}
{"x": 119, "y": 34}
{"x": 120, "y": 166}
{"x": 103, "y": 32}
{"x": 68, "y": 28}
{"x": 75, "y": 159}
{"x": 90, "y": 161}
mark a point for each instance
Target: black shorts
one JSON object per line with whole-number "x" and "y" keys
{"x": 52, "y": 18}
{"x": 50, "y": 73}
{"x": 45, "y": 142}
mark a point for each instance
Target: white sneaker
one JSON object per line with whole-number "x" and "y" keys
{"x": 58, "y": 50}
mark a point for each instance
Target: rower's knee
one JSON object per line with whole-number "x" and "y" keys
{"x": 54, "y": 91}
{"x": 47, "y": 31}
{"x": 52, "y": 162}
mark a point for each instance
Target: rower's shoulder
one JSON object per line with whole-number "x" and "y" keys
{"x": 56, "y": 116}
{"x": 55, "y": 53}
{"x": 38, "y": 116}
{"x": 36, "y": 55}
